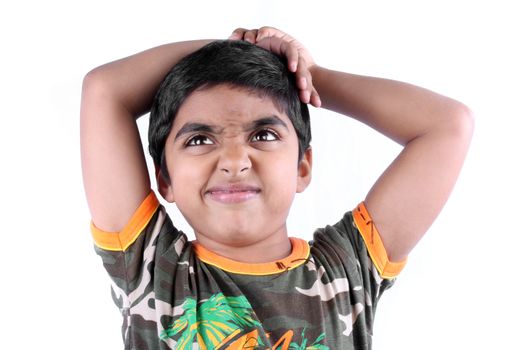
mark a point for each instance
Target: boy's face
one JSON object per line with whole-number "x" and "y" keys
{"x": 232, "y": 160}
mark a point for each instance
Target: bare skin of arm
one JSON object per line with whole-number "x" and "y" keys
{"x": 434, "y": 130}
{"x": 114, "y": 95}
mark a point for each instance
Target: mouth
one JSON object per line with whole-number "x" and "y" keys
{"x": 232, "y": 193}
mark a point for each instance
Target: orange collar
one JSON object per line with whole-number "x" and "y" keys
{"x": 298, "y": 256}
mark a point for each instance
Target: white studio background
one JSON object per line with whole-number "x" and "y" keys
{"x": 462, "y": 287}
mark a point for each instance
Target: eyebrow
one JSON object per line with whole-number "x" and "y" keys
{"x": 195, "y": 127}
{"x": 201, "y": 127}
{"x": 266, "y": 121}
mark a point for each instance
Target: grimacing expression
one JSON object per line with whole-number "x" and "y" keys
{"x": 232, "y": 157}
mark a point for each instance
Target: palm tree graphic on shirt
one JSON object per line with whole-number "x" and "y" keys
{"x": 223, "y": 322}
{"x": 213, "y": 322}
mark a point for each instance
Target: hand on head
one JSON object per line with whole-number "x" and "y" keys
{"x": 299, "y": 59}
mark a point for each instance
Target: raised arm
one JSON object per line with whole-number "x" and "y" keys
{"x": 114, "y": 95}
{"x": 434, "y": 130}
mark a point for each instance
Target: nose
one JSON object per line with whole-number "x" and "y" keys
{"x": 234, "y": 160}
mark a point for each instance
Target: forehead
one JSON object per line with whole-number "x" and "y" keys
{"x": 224, "y": 104}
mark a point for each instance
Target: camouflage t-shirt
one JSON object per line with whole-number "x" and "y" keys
{"x": 176, "y": 294}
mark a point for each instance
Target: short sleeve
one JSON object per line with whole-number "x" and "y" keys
{"x": 353, "y": 248}
{"x": 142, "y": 262}
{"x": 372, "y": 238}
{"x": 128, "y": 255}
{"x": 120, "y": 241}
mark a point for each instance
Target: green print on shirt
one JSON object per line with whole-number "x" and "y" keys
{"x": 226, "y": 322}
{"x": 211, "y": 321}
{"x": 304, "y": 342}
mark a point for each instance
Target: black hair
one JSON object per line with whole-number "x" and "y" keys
{"x": 235, "y": 63}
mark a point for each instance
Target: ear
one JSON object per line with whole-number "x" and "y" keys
{"x": 163, "y": 185}
{"x": 304, "y": 172}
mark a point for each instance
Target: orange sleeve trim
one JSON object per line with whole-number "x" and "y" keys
{"x": 298, "y": 256}
{"x": 374, "y": 244}
{"x": 120, "y": 241}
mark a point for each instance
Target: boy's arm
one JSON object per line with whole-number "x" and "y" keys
{"x": 114, "y": 95}
{"x": 434, "y": 130}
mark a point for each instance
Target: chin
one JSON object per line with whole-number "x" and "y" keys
{"x": 238, "y": 228}
{"x": 239, "y": 235}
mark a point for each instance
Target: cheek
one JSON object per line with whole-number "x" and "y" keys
{"x": 188, "y": 174}
{"x": 283, "y": 175}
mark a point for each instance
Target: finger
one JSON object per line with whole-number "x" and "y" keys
{"x": 304, "y": 78}
{"x": 315, "y": 99}
{"x": 305, "y": 84}
{"x": 292, "y": 56}
{"x": 250, "y": 36}
{"x": 238, "y": 34}
{"x": 304, "y": 96}
{"x": 304, "y": 92}
{"x": 266, "y": 31}
{"x": 302, "y": 83}
{"x": 281, "y": 48}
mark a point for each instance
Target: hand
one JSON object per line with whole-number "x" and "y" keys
{"x": 299, "y": 59}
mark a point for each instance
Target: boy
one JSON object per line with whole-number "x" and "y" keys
{"x": 229, "y": 134}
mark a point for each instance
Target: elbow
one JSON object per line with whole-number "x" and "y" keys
{"x": 463, "y": 121}
{"x": 94, "y": 82}
{"x": 97, "y": 89}
{"x": 458, "y": 121}
{"x": 95, "y": 93}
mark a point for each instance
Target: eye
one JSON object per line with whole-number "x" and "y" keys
{"x": 264, "y": 136}
{"x": 199, "y": 140}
